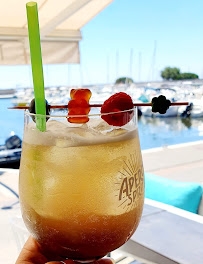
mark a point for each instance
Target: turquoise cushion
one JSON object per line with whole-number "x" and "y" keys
{"x": 184, "y": 195}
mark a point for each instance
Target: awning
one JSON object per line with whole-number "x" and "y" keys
{"x": 60, "y": 23}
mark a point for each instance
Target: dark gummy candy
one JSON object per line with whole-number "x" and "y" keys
{"x": 32, "y": 109}
{"x": 160, "y": 104}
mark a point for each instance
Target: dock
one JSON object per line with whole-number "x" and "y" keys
{"x": 7, "y": 93}
{"x": 181, "y": 162}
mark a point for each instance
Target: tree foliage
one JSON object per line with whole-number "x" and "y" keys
{"x": 124, "y": 80}
{"x": 174, "y": 74}
{"x": 170, "y": 73}
{"x": 188, "y": 75}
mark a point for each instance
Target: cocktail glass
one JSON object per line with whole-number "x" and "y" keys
{"x": 81, "y": 185}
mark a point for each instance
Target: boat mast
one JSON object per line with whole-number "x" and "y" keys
{"x": 153, "y": 63}
{"x": 140, "y": 65}
{"x": 117, "y": 64}
{"x": 131, "y": 62}
{"x": 107, "y": 69}
{"x": 154, "y": 59}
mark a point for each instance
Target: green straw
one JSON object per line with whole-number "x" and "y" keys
{"x": 36, "y": 61}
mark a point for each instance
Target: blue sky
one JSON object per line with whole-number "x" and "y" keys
{"x": 129, "y": 38}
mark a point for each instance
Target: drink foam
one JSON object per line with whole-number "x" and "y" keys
{"x": 64, "y": 134}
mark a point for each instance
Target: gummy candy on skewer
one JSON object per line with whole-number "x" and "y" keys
{"x": 33, "y": 111}
{"x": 160, "y": 104}
{"x": 79, "y": 105}
{"x": 80, "y": 94}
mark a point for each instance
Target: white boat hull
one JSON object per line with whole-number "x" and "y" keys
{"x": 171, "y": 112}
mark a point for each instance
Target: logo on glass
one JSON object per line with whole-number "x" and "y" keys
{"x": 131, "y": 182}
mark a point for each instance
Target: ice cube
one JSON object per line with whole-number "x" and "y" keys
{"x": 116, "y": 132}
{"x": 99, "y": 125}
{"x": 55, "y": 125}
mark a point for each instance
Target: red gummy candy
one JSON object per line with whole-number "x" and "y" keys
{"x": 116, "y": 103}
{"x": 79, "y": 105}
{"x": 79, "y": 120}
{"x": 80, "y": 94}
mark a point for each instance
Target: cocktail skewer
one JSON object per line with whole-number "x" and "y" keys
{"x": 97, "y": 105}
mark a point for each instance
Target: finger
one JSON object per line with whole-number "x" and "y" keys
{"x": 31, "y": 253}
